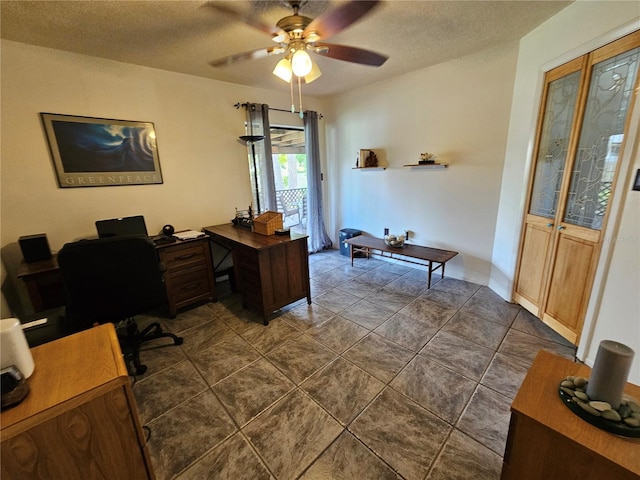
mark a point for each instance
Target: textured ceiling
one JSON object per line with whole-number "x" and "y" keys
{"x": 182, "y": 37}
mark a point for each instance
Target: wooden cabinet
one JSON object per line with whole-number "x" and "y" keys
{"x": 188, "y": 273}
{"x": 548, "y": 441}
{"x": 79, "y": 420}
{"x": 270, "y": 271}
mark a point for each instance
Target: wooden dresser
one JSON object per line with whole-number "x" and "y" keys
{"x": 548, "y": 441}
{"x": 270, "y": 271}
{"x": 188, "y": 277}
{"x": 79, "y": 420}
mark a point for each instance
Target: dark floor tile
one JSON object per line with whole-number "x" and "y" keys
{"x": 233, "y": 459}
{"x": 460, "y": 287}
{"x": 168, "y": 388}
{"x": 486, "y": 419}
{"x": 367, "y": 314}
{"x": 342, "y": 389}
{"x": 391, "y": 300}
{"x": 249, "y": 391}
{"x": 505, "y": 375}
{"x": 338, "y": 333}
{"x": 378, "y": 277}
{"x": 336, "y": 300}
{"x": 190, "y": 318}
{"x": 408, "y": 284}
{"x": 525, "y": 347}
{"x": 265, "y": 338}
{"x": 484, "y": 332}
{"x": 300, "y": 358}
{"x": 428, "y": 312}
{"x": 187, "y": 432}
{"x": 348, "y": 459}
{"x": 445, "y": 298}
{"x": 466, "y": 358}
{"x": 205, "y": 335}
{"x": 402, "y": 433}
{"x": 528, "y": 323}
{"x": 221, "y": 360}
{"x": 291, "y": 434}
{"x": 318, "y": 288}
{"x": 160, "y": 354}
{"x": 465, "y": 459}
{"x": 378, "y": 356}
{"x": 407, "y": 332}
{"x": 500, "y": 312}
{"x": 436, "y": 388}
{"x": 358, "y": 288}
{"x": 304, "y": 317}
{"x": 488, "y": 294}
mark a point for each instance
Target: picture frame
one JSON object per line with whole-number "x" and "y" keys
{"x": 99, "y": 152}
{"x": 636, "y": 182}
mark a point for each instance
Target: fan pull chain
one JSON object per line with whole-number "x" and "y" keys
{"x": 293, "y": 107}
{"x": 300, "y": 95}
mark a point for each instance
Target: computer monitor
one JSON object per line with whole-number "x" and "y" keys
{"x": 115, "y": 227}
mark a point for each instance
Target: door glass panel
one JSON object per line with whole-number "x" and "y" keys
{"x": 290, "y": 176}
{"x": 554, "y": 140}
{"x": 601, "y": 136}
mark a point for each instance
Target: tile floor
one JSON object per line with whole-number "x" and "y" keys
{"x": 378, "y": 379}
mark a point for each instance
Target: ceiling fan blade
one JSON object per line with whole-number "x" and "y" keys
{"x": 252, "y": 55}
{"x": 350, "y": 54}
{"x": 336, "y": 20}
{"x": 251, "y": 21}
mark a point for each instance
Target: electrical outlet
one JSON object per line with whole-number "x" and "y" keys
{"x": 406, "y": 235}
{"x": 386, "y": 231}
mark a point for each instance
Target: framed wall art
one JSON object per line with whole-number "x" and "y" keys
{"x": 99, "y": 152}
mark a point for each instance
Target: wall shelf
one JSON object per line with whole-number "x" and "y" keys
{"x": 433, "y": 166}
{"x": 369, "y": 168}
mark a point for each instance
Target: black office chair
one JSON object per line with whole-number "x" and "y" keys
{"x": 111, "y": 280}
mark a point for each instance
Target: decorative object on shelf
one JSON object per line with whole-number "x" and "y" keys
{"x": 367, "y": 159}
{"x": 623, "y": 420}
{"x": 100, "y": 152}
{"x": 427, "y": 159}
{"x": 393, "y": 240}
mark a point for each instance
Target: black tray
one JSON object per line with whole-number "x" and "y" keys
{"x": 610, "y": 426}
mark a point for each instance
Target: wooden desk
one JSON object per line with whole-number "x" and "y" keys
{"x": 271, "y": 271}
{"x": 79, "y": 419}
{"x": 376, "y": 246}
{"x": 43, "y": 282}
{"x": 548, "y": 441}
{"x": 188, "y": 276}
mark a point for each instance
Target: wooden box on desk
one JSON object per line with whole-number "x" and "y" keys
{"x": 79, "y": 419}
{"x": 547, "y": 441}
{"x": 267, "y": 223}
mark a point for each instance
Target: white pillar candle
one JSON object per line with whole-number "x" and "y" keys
{"x": 610, "y": 372}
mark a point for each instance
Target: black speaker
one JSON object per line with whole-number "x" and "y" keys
{"x": 35, "y": 247}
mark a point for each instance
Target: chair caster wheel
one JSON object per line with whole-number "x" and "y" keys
{"x": 141, "y": 369}
{"x": 179, "y": 341}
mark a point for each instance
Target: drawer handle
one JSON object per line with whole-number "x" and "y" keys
{"x": 184, "y": 257}
{"x": 191, "y": 287}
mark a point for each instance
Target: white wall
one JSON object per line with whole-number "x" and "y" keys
{"x": 458, "y": 110}
{"x": 204, "y": 167}
{"x": 614, "y": 311}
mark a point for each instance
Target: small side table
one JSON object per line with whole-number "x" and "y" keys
{"x": 548, "y": 441}
{"x": 43, "y": 282}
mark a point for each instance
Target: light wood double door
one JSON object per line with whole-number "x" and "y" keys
{"x": 582, "y": 127}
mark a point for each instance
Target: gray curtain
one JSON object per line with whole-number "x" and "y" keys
{"x": 318, "y": 238}
{"x": 258, "y": 124}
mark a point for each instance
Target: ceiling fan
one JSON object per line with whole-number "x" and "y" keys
{"x": 296, "y": 35}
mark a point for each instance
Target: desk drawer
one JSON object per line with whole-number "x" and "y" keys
{"x": 189, "y": 284}
{"x": 179, "y": 257}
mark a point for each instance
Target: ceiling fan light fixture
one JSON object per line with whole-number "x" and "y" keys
{"x": 283, "y": 70}
{"x": 313, "y": 74}
{"x": 301, "y": 63}
{"x": 312, "y": 37}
